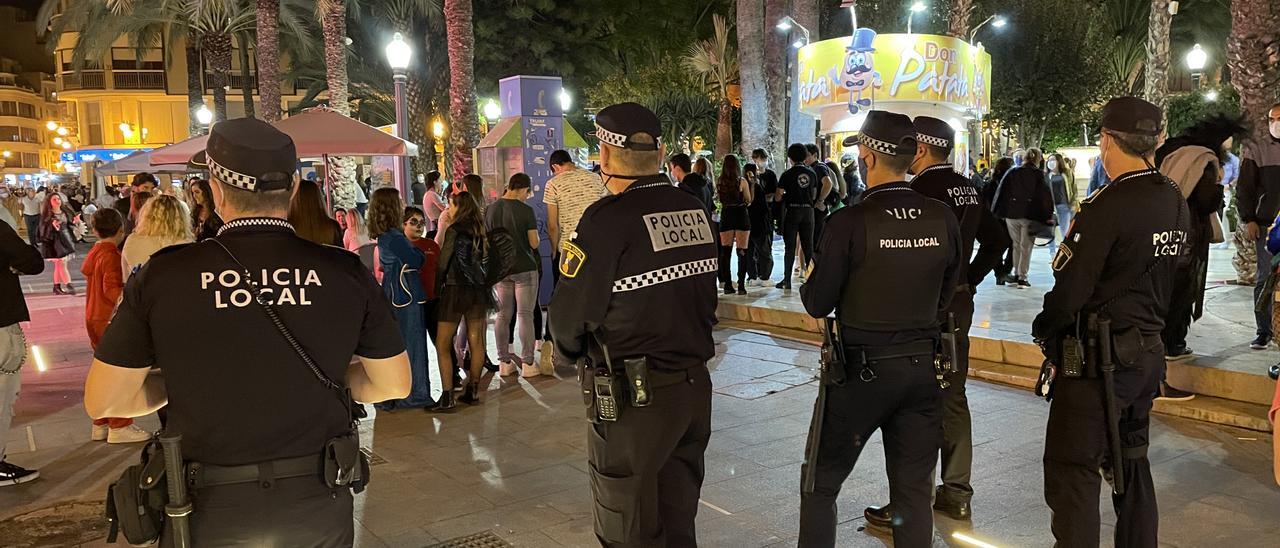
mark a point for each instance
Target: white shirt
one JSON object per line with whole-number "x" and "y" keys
{"x": 572, "y": 192}
{"x": 31, "y": 204}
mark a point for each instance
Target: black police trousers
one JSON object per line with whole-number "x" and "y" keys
{"x": 760, "y": 249}
{"x": 903, "y": 402}
{"x": 288, "y": 512}
{"x": 957, "y": 428}
{"x": 647, "y": 468}
{"x": 797, "y": 229}
{"x": 1076, "y": 447}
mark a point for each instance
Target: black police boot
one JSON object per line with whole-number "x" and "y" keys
{"x": 879, "y": 516}
{"x": 742, "y": 272}
{"x": 951, "y": 507}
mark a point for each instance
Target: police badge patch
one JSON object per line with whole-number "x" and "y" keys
{"x": 571, "y": 259}
{"x": 1063, "y": 257}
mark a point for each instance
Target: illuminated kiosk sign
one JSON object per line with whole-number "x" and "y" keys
{"x": 86, "y": 155}
{"x": 841, "y": 79}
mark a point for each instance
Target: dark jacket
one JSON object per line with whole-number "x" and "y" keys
{"x": 1024, "y": 194}
{"x": 15, "y": 254}
{"x": 700, "y": 188}
{"x": 400, "y": 261}
{"x": 1258, "y": 189}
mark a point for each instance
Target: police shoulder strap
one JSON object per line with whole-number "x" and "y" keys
{"x": 247, "y": 280}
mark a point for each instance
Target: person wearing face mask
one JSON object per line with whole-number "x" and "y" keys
{"x": 888, "y": 326}
{"x": 936, "y": 178}
{"x": 1062, "y": 184}
{"x": 1257, "y": 202}
{"x": 1100, "y": 333}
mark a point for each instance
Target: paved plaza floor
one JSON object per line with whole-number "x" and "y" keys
{"x": 516, "y": 466}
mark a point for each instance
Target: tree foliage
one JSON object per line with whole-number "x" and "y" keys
{"x": 1189, "y": 108}
{"x": 1048, "y": 68}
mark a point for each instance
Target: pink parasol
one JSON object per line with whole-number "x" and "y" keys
{"x": 180, "y": 152}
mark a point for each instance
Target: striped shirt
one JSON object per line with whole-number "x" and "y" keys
{"x": 572, "y": 192}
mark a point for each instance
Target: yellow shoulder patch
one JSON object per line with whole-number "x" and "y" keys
{"x": 571, "y": 259}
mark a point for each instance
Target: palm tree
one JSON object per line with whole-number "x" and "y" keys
{"x": 1156, "y": 89}
{"x": 1124, "y": 25}
{"x": 463, "y": 117}
{"x": 333, "y": 25}
{"x": 958, "y": 18}
{"x": 1252, "y": 61}
{"x": 267, "y": 47}
{"x": 717, "y": 64}
{"x": 776, "y": 77}
{"x": 755, "y": 112}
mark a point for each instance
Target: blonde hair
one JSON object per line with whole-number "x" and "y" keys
{"x": 355, "y": 222}
{"x": 162, "y": 217}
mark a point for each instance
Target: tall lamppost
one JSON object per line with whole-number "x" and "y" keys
{"x": 997, "y": 21}
{"x": 1196, "y": 59}
{"x": 786, "y": 25}
{"x": 398, "y": 55}
{"x": 492, "y": 112}
{"x": 915, "y": 8}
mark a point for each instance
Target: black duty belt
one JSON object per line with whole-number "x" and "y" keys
{"x": 799, "y": 205}
{"x": 882, "y": 353}
{"x": 208, "y": 475}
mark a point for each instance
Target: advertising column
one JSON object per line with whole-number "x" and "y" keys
{"x": 536, "y": 100}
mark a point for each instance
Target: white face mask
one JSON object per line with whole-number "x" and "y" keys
{"x": 1053, "y": 165}
{"x": 1275, "y": 129}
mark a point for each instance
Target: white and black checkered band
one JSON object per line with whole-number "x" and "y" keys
{"x": 664, "y": 275}
{"x": 255, "y": 221}
{"x": 619, "y": 140}
{"x": 883, "y": 147}
{"x": 608, "y": 137}
{"x": 233, "y": 178}
{"x": 935, "y": 141}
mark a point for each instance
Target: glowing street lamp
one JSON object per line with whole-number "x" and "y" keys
{"x": 7, "y": 154}
{"x": 1211, "y": 95}
{"x": 62, "y": 131}
{"x": 57, "y": 140}
{"x": 1196, "y": 60}
{"x": 492, "y": 110}
{"x": 204, "y": 116}
{"x": 398, "y": 55}
{"x": 66, "y": 145}
{"x": 915, "y": 8}
{"x": 566, "y": 100}
{"x": 51, "y": 125}
{"x": 996, "y": 20}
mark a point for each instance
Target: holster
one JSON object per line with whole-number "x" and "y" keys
{"x": 345, "y": 465}
{"x": 136, "y": 501}
{"x": 833, "y": 367}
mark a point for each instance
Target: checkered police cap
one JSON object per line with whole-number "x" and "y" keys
{"x": 886, "y": 133}
{"x": 616, "y": 124}
{"x": 249, "y": 154}
{"x": 934, "y": 132}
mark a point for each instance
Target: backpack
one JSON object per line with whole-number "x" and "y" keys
{"x": 501, "y": 258}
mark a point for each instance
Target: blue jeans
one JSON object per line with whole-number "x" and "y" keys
{"x": 1064, "y": 224}
{"x": 517, "y": 295}
{"x": 1262, "y": 317}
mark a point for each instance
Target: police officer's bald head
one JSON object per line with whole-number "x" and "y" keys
{"x": 630, "y": 141}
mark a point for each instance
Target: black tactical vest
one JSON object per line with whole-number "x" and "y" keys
{"x": 897, "y": 283}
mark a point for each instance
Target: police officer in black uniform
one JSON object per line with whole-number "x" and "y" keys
{"x": 935, "y": 178}
{"x": 637, "y": 300}
{"x": 797, "y": 190}
{"x": 1113, "y": 276}
{"x": 889, "y": 326}
{"x": 257, "y": 423}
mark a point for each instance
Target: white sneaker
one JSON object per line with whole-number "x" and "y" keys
{"x": 99, "y": 432}
{"x": 506, "y": 368}
{"x": 128, "y": 434}
{"x": 546, "y": 359}
{"x": 530, "y": 370}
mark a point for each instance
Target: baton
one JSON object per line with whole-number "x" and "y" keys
{"x": 179, "y": 507}
{"x": 1108, "y": 369}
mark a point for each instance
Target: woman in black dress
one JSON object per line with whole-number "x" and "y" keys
{"x": 56, "y": 242}
{"x": 205, "y": 221}
{"x": 735, "y": 224}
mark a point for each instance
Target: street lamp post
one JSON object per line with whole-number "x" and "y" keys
{"x": 398, "y": 55}
{"x": 787, "y": 25}
{"x": 204, "y": 116}
{"x": 996, "y": 20}
{"x": 915, "y": 8}
{"x": 1196, "y": 59}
